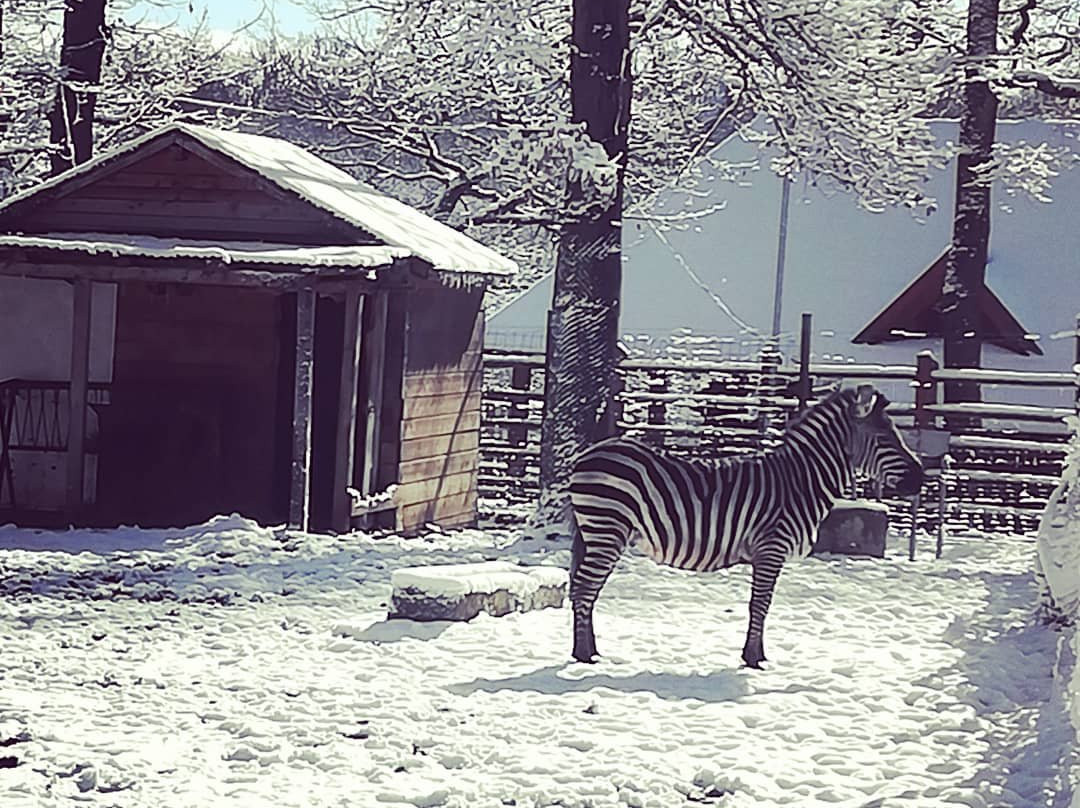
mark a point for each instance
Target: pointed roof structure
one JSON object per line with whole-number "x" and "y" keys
{"x": 364, "y": 215}
{"x": 912, "y": 315}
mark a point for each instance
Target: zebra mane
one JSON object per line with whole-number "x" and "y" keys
{"x": 833, "y": 401}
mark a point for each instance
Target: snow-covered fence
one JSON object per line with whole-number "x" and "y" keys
{"x": 513, "y": 402}
{"x": 1003, "y": 462}
{"x": 1004, "y": 458}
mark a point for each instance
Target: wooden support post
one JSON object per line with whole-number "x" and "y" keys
{"x": 518, "y": 434}
{"x": 925, "y": 389}
{"x": 80, "y": 378}
{"x": 299, "y": 490}
{"x": 374, "y": 384}
{"x": 345, "y": 437}
{"x": 804, "y": 361}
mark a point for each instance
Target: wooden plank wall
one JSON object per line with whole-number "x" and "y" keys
{"x": 440, "y": 426}
{"x": 175, "y": 193}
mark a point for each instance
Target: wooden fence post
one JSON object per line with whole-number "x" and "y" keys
{"x": 518, "y": 434}
{"x": 657, "y": 412}
{"x": 925, "y": 389}
{"x": 614, "y": 414}
{"x": 804, "y": 361}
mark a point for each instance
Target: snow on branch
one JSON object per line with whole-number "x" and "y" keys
{"x": 1051, "y": 85}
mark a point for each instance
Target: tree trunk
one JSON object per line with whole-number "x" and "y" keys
{"x": 71, "y": 119}
{"x": 965, "y": 272}
{"x": 582, "y": 336}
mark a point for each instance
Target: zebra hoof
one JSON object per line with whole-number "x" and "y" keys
{"x": 590, "y": 659}
{"x": 753, "y": 659}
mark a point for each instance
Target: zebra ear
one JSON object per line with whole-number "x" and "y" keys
{"x": 865, "y": 400}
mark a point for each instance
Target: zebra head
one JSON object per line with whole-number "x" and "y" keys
{"x": 877, "y": 451}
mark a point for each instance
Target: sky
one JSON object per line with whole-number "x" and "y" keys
{"x": 230, "y": 15}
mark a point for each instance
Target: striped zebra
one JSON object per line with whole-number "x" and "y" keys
{"x": 761, "y": 510}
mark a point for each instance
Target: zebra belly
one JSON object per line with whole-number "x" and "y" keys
{"x": 703, "y": 557}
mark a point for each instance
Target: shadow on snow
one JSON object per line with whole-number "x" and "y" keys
{"x": 714, "y": 687}
{"x": 1011, "y": 686}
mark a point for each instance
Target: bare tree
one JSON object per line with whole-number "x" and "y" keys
{"x": 56, "y": 114}
{"x": 583, "y": 322}
{"x": 1022, "y": 63}
{"x": 71, "y": 120}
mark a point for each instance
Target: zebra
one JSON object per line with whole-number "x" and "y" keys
{"x": 760, "y": 509}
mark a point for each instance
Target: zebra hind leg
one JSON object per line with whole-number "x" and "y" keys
{"x": 766, "y": 571}
{"x": 592, "y": 561}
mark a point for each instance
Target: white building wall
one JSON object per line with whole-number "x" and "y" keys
{"x": 35, "y": 330}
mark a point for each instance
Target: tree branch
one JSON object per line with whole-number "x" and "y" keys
{"x": 1050, "y": 85}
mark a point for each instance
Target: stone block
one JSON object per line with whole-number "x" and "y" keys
{"x": 854, "y": 527}
{"x": 462, "y": 591}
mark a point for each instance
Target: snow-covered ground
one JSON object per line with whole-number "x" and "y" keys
{"x": 225, "y": 666}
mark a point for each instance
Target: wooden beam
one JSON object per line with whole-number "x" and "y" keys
{"x": 375, "y": 373}
{"x": 299, "y": 489}
{"x": 345, "y": 439}
{"x": 210, "y": 272}
{"x": 80, "y": 378}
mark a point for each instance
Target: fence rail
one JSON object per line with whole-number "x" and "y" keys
{"x": 1003, "y": 459}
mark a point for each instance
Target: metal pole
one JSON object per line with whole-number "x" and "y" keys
{"x": 781, "y": 254}
{"x": 1076, "y": 366}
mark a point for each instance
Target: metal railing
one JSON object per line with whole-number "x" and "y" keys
{"x": 34, "y": 418}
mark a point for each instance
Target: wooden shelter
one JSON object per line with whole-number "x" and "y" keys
{"x": 287, "y": 341}
{"x": 912, "y": 315}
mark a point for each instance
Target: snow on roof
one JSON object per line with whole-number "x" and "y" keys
{"x": 345, "y": 256}
{"x": 327, "y": 187}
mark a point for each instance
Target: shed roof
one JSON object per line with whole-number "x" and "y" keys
{"x": 912, "y": 315}
{"x": 358, "y": 256}
{"x": 314, "y": 180}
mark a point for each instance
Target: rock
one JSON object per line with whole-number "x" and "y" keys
{"x": 462, "y": 591}
{"x": 854, "y": 527}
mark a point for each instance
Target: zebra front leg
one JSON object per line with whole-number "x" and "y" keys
{"x": 593, "y": 560}
{"x": 766, "y": 570}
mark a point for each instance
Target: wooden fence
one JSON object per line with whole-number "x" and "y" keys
{"x": 1002, "y": 462}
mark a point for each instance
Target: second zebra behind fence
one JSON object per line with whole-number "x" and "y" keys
{"x": 761, "y": 510}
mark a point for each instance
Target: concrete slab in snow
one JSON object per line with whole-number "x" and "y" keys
{"x": 854, "y": 527}
{"x": 462, "y": 591}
